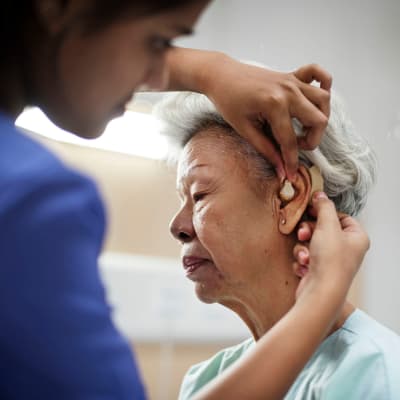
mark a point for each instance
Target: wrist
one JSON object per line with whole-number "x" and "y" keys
{"x": 190, "y": 69}
{"x": 212, "y": 61}
{"x": 329, "y": 292}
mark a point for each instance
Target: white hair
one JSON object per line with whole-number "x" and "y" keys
{"x": 346, "y": 161}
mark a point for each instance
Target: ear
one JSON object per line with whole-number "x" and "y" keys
{"x": 55, "y": 15}
{"x": 291, "y": 212}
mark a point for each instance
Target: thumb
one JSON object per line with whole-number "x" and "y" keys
{"x": 263, "y": 145}
{"x": 324, "y": 211}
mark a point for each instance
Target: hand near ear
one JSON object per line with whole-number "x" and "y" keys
{"x": 249, "y": 97}
{"x": 336, "y": 248}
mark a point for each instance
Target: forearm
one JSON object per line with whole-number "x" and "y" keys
{"x": 271, "y": 368}
{"x": 190, "y": 69}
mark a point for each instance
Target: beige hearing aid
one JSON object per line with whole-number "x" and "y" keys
{"x": 287, "y": 192}
{"x": 317, "y": 185}
{"x": 317, "y": 181}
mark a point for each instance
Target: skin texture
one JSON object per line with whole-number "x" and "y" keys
{"x": 319, "y": 296}
{"x": 248, "y": 97}
{"x": 92, "y": 76}
{"x": 83, "y": 79}
{"x": 80, "y": 78}
{"x": 246, "y": 250}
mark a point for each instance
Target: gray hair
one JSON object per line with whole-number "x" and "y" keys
{"x": 346, "y": 161}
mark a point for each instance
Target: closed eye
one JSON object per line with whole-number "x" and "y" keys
{"x": 160, "y": 43}
{"x": 198, "y": 196}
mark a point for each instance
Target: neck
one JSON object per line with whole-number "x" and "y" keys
{"x": 19, "y": 68}
{"x": 261, "y": 317}
{"x": 12, "y": 91}
{"x": 262, "y": 302}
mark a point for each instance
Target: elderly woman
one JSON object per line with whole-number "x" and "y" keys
{"x": 238, "y": 234}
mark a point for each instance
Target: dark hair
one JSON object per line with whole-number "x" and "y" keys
{"x": 17, "y": 17}
{"x": 108, "y": 11}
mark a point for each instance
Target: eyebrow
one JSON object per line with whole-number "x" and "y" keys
{"x": 190, "y": 170}
{"x": 183, "y": 30}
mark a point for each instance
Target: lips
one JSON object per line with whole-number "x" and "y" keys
{"x": 191, "y": 263}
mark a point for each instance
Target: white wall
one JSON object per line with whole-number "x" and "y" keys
{"x": 155, "y": 291}
{"x": 358, "y": 42}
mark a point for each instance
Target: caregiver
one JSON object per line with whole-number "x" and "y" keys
{"x": 80, "y": 61}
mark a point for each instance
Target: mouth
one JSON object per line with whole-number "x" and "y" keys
{"x": 117, "y": 111}
{"x": 192, "y": 264}
{"x": 121, "y": 107}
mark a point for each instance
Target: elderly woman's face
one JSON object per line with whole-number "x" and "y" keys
{"x": 227, "y": 230}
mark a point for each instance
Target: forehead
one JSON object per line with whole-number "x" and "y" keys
{"x": 210, "y": 149}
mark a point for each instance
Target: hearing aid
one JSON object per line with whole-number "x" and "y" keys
{"x": 287, "y": 192}
{"x": 317, "y": 185}
{"x": 317, "y": 181}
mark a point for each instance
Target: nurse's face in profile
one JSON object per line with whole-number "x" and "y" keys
{"x": 93, "y": 74}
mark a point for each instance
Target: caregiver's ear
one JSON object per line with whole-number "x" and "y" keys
{"x": 290, "y": 212}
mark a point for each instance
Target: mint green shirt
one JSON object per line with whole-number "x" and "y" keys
{"x": 361, "y": 360}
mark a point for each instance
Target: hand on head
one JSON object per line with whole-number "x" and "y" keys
{"x": 261, "y": 96}
{"x": 332, "y": 248}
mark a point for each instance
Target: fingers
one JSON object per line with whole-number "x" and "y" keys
{"x": 282, "y": 128}
{"x": 302, "y": 259}
{"x": 314, "y": 112}
{"x": 313, "y": 72}
{"x": 265, "y": 146}
{"x": 319, "y": 97}
{"x": 300, "y": 270}
{"x": 314, "y": 122}
{"x": 305, "y": 231}
{"x": 301, "y": 254}
{"x": 350, "y": 225}
{"x": 325, "y": 212}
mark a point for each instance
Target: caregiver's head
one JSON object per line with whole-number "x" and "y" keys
{"x": 81, "y": 60}
{"x": 237, "y": 234}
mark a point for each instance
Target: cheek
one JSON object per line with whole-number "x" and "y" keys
{"x": 231, "y": 236}
{"x": 221, "y": 235}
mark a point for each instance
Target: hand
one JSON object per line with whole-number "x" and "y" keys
{"x": 248, "y": 96}
{"x": 336, "y": 248}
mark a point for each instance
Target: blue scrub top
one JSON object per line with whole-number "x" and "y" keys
{"x": 57, "y": 339}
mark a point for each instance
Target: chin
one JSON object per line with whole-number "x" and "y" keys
{"x": 206, "y": 294}
{"x": 79, "y": 125}
{"x": 89, "y": 133}
{"x": 88, "y": 129}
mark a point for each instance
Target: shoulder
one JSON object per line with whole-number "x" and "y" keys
{"x": 362, "y": 337}
{"x": 374, "y": 354}
{"x": 57, "y": 322}
{"x": 33, "y": 179}
{"x": 357, "y": 361}
{"x": 202, "y": 373}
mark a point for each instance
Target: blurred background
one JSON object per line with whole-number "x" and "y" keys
{"x": 154, "y": 305}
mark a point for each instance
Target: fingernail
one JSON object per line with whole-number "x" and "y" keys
{"x": 295, "y": 176}
{"x": 302, "y": 254}
{"x": 281, "y": 173}
{"x": 303, "y": 270}
{"x": 319, "y": 195}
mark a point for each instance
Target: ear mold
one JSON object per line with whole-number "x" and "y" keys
{"x": 287, "y": 192}
{"x": 317, "y": 185}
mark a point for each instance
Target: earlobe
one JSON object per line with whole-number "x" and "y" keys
{"x": 291, "y": 211}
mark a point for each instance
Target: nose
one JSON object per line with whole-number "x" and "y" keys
{"x": 181, "y": 226}
{"x": 158, "y": 76}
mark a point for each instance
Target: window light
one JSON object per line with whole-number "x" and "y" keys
{"x": 133, "y": 133}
